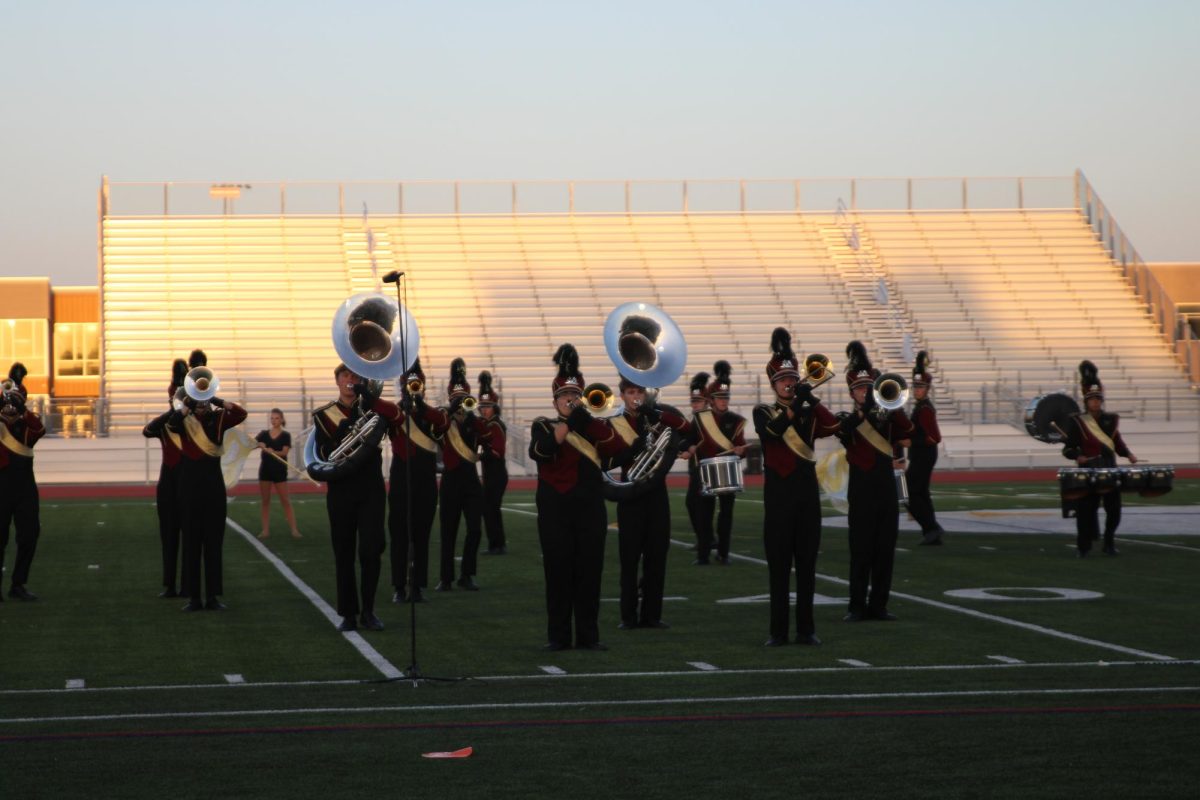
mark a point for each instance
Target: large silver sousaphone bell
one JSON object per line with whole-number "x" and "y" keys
{"x": 201, "y": 384}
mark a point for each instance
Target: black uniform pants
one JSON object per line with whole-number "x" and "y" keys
{"x": 424, "y": 500}
{"x": 692, "y": 503}
{"x": 874, "y": 526}
{"x": 355, "y": 508}
{"x": 202, "y": 507}
{"x": 462, "y": 496}
{"x": 1087, "y": 519}
{"x": 921, "y": 461}
{"x": 704, "y": 513}
{"x": 792, "y": 537}
{"x": 571, "y": 529}
{"x": 19, "y": 507}
{"x": 643, "y": 538}
{"x": 495, "y": 482}
{"x": 167, "y": 504}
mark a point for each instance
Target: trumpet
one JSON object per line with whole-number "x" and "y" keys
{"x": 890, "y": 391}
{"x": 415, "y": 386}
{"x": 818, "y": 369}
{"x": 600, "y": 400}
{"x": 469, "y": 404}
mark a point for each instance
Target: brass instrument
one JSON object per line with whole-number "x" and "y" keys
{"x": 890, "y": 391}
{"x": 469, "y": 404}
{"x": 818, "y": 369}
{"x": 7, "y": 385}
{"x": 600, "y": 400}
{"x": 415, "y": 386}
{"x": 201, "y": 384}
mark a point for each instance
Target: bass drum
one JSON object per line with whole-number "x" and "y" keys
{"x": 1046, "y": 416}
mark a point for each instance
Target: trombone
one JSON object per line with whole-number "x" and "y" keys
{"x": 818, "y": 369}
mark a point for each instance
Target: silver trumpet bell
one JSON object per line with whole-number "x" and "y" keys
{"x": 375, "y": 336}
{"x": 645, "y": 344}
{"x": 890, "y": 391}
{"x": 201, "y": 384}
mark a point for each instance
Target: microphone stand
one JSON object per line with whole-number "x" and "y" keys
{"x": 413, "y": 672}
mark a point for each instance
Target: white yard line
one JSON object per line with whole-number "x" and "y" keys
{"x": 703, "y": 666}
{"x": 1029, "y": 626}
{"x": 552, "y": 670}
{"x": 558, "y": 705}
{"x": 1006, "y": 659}
{"x": 387, "y": 668}
{"x": 853, "y": 662}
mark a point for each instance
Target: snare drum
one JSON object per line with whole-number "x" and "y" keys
{"x": 721, "y": 475}
{"x": 1105, "y": 480}
{"x": 1133, "y": 479}
{"x": 1159, "y": 481}
{"x": 901, "y": 487}
{"x": 1074, "y": 482}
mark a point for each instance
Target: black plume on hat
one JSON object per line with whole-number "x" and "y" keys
{"x": 856, "y": 357}
{"x": 458, "y": 371}
{"x": 415, "y": 369}
{"x": 567, "y": 358}
{"x": 17, "y": 372}
{"x": 722, "y": 370}
{"x": 197, "y": 359}
{"x": 699, "y": 382}
{"x": 781, "y": 344}
{"x": 485, "y": 382}
{"x": 179, "y": 371}
{"x": 919, "y": 368}
{"x": 1088, "y": 373}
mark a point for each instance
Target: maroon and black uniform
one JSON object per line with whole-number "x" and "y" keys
{"x": 166, "y": 499}
{"x": 19, "y": 504}
{"x": 644, "y": 525}
{"x": 354, "y": 503}
{"x": 874, "y": 516}
{"x": 413, "y": 461}
{"x": 495, "y": 482}
{"x": 1081, "y": 441}
{"x": 201, "y": 496}
{"x": 791, "y": 507}
{"x": 732, "y": 426}
{"x": 461, "y": 493}
{"x": 572, "y": 520}
{"x": 922, "y": 456}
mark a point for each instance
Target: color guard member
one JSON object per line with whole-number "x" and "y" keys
{"x": 1093, "y": 440}
{"x": 788, "y": 429}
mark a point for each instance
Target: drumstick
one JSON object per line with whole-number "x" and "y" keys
{"x": 287, "y": 464}
{"x": 1060, "y": 430}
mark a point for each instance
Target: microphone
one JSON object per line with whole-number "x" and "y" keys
{"x": 393, "y": 276}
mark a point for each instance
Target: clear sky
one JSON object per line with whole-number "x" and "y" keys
{"x": 610, "y": 90}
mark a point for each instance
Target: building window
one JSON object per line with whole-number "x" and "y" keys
{"x": 76, "y": 349}
{"x": 23, "y": 340}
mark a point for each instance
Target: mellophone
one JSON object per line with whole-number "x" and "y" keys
{"x": 1075, "y": 483}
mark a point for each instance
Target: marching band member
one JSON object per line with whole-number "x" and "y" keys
{"x": 788, "y": 429}
{"x": 871, "y": 436}
{"x": 166, "y": 497}
{"x": 923, "y": 453}
{"x": 644, "y": 521}
{"x": 1094, "y": 441}
{"x": 699, "y": 402}
{"x": 495, "y": 470}
{"x": 461, "y": 492}
{"x": 570, "y": 450}
{"x": 201, "y": 428}
{"x": 20, "y": 430}
{"x": 718, "y": 432}
{"x": 354, "y": 503}
{"x": 413, "y": 428}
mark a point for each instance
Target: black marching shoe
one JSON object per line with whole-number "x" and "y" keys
{"x": 416, "y": 596}
{"x": 193, "y": 605}
{"x": 807, "y": 638}
{"x": 468, "y": 582}
{"x": 1081, "y": 554}
{"x": 883, "y": 616}
{"x": 19, "y": 592}
{"x": 554, "y": 647}
{"x": 658, "y": 623}
{"x": 1111, "y": 550}
{"x": 592, "y": 646}
{"x": 775, "y": 641}
{"x": 933, "y": 537}
{"x": 168, "y": 592}
{"x": 722, "y": 560}
{"x": 214, "y": 604}
{"x": 397, "y": 596}
{"x": 853, "y": 616}
{"x": 626, "y": 626}
{"x": 443, "y": 586}
{"x": 371, "y": 622}
{"x": 496, "y": 551}
{"x": 348, "y": 624}
{"x": 700, "y": 562}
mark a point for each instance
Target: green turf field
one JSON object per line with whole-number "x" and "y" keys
{"x": 962, "y": 697}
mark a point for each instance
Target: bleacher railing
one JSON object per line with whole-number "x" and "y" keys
{"x": 696, "y": 196}
{"x": 1171, "y": 321}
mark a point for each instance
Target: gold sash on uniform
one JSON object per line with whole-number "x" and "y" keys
{"x": 585, "y": 448}
{"x": 420, "y": 438}
{"x": 196, "y": 433}
{"x": 174, "y": 437}
{"x": 10, "y": 441}
{"x": 1097, "y": 432}
{"x": 456, "y": 441}
{"x": 794, "y": 441}
{"x": 624, "y": 429}
{"x": 875, "y": 438}
{"x": 709, "y": 423}
{"x": 334, "y": 414}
